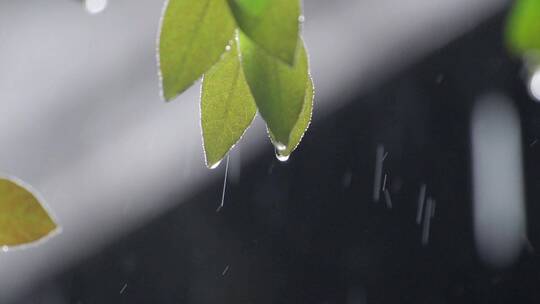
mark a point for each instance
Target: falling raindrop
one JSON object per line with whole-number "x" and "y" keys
{"x": 427, "y": 221}
{"x": 227, "y": 48}
{"x": 235, "y": 170}
{"x": 224, "y": 272}
{"x": 301, "y": 18}
{"x": 123, "y": 288}
{"x": 421, "y": 201}
{"x": 224, "y": 185}
{"x": 387, "y": 199}
{"x": 5, "y": 248}
{"x": 282, "y": 157}
{"x": 95, "y": 6}
{"x": 379, "y": 155}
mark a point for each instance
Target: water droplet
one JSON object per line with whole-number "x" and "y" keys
{"x": 95, "y": 6}
{"x": 227, "y": 48}
{"x": 281, "y": 157}
{"x": 301, "y": 18}
{"x": 534, "y": 85}
{"x": 5, "y": 248}
{"x": 213, "y": 166}
{"x": 279, "y": 146}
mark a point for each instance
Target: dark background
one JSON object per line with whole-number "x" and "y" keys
{"x": 308, "y": 230}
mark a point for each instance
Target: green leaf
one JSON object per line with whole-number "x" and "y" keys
{"x": 278, "y": 88}
{"x": 523, "y": 28}
{"x": 227, "y": 106}
{"x": 301, "y": 125}
{"x": 22, "y": 217}
{"x": 252, "y": 7}
{"x": 194, "y": 34}
{"x": 272, "y": 24}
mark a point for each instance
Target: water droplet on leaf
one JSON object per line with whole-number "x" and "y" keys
{"x": 281, "y": 157}
{"x": 279, "y": 146}
{"x": 213, "y": 166}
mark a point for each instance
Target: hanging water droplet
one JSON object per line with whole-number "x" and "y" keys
{"x": 227, "y": 48}
{"x": 5, "y": 248}
{"x": 95, "y": 6}
{"x": 301, "y": 18}
{"x": 534, "y": 85}
{"x": 281, "y": 157}
{"x": 215, "y": 165}
{"x": 279, "y": 146}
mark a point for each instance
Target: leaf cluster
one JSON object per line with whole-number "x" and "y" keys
{"x": 251, "y": 58}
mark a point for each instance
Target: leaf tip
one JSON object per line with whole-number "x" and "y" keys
{"x": 213, "y": 164}
{"x": 168, "y": 94}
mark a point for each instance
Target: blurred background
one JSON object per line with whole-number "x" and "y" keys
{"x": 416, "y": 182}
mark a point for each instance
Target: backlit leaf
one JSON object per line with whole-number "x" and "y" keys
{"x": 227, "y": 107}
{"x": 22, "y": 217}
{"x": 523, "y": 28}
{"x": 278, "y": 88}
{"x": 193, "y": 36}
{"x": 272, "y": 24}
{"x": 252, "y": 7}
{"x": 302, "y": 124}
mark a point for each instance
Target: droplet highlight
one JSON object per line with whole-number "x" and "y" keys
{"x": 282, "y": 157}
{"x": 215, "y": 165}
{"x": 534, "y": 85}
{"x": 279, "y": 146}
{"x": 95, "y": 6}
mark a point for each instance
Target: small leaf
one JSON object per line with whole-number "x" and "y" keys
{"x": 302, "y": 124}
{"x": 278, "y": 88}
{"x": 22, "y": 217}
{"x": 272, "y": 24}
{"x": 227, "y": 107}
{"x": 193, "y": 36}
{"x": 523, "y": 28}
